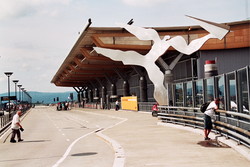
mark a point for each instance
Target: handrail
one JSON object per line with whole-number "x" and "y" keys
{"x": 182, "y": 120}
{"x": 246, "y": 132}
{"x": 198, "y": 109}
{"x": 234, "y": 113}
{"x": 191, "y": 116}
{"x": 176, "y": 107}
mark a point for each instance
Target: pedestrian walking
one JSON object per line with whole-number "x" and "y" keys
{"x": 117, "y": 105}
{"x": 16, "y": 127}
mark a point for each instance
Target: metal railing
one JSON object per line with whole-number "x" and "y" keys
{"x": 146, "y": 106}
{"x": 229, "y": 124}
{"x": 5, "y": 120}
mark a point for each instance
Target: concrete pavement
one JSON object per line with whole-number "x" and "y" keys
{"x": 112, "y": 138}
{"x": 147, "y": 144}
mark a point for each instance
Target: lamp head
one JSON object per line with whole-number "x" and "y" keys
{"x": 8, "y": 73}
{"x": 15, "y": 81}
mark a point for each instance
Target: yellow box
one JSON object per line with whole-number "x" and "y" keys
{"x": 129, "y": 103}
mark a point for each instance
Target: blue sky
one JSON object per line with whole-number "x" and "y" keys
{"x": 37, "y": 35}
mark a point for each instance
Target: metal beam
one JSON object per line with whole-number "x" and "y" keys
{"x": 118, "y": 72}
{"x": 138, "y": 70}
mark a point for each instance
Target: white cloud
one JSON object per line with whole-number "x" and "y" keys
{"x": 21, "y": 8}
{"x": 143, "y": 3}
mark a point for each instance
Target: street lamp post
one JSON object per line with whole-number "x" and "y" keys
{"x": 25, "y": 95}
{"x": 19, "y": 93}
{"x": 8, "y": 74}
{"x": 22, "y": 93}
{"x": 15, "y": 82}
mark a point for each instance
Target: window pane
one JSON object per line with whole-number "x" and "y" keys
{"x": 199, "y": 93}
{"x": 243, "y": 86}
{"x": 189, "y": 94}
{"x": 209, "y": 89}
{"x": 179, "y": 94}
{"x": 221, "y": 91}
{"x": 232, "y": 92}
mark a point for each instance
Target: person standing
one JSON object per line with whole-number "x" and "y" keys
{"x": 16, "y": 127}
{"x": 208, "y": 115}
{"x": 117, "y": 105}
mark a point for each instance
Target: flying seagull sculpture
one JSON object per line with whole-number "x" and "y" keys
{"x": 159, "y": 47}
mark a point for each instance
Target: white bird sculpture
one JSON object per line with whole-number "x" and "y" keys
{"x": 159, "y": 47}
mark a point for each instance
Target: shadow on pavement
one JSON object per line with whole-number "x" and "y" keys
{"x": 212, "y": 143}
{"x": 84, "y": 154}
{"x": 34, "y": 141}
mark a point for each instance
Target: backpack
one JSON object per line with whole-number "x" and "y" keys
{"x": 204, "y": 107}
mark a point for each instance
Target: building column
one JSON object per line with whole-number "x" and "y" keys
{"x": 104, "y": 93}
{"x": 90, "y": 95}
{"x": 113, "y": 91}
{"x": 96, "y": 94}
{"x": 85, "y": 96}
{"x": 143, "y": 89}
{"x": 125, "y": 88}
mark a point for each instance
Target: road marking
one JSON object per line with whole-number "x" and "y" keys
{"x": 119, "y": 160}
{"x": 70, "y": 147}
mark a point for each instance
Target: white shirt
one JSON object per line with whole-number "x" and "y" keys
{"x": 210, "y": 109}
{"x": 15, "y": 120}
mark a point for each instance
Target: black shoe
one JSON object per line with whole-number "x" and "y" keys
{"x": 207, "y": 138}
{"x": 19, "y": 140}
{"x": 13, "y": 141}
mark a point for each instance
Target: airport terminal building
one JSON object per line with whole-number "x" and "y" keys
{"x": 101, "y": 81}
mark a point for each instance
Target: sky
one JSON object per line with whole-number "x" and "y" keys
{"x": 37, "y": 35}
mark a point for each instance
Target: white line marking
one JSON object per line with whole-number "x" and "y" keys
{"x": 70, "y": 147}
{"x": 119, "y": 160}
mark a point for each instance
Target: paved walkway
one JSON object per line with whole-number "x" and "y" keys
{"x": 148, "y": 144}
{"x": 104, "y": 138}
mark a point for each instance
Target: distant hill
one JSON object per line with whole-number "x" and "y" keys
{"x": 46, "y": 97}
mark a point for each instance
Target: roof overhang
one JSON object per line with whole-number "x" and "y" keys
{"x": 83, "y": 65}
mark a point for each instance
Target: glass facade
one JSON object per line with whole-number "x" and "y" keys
{"x": 232, "y": 89}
